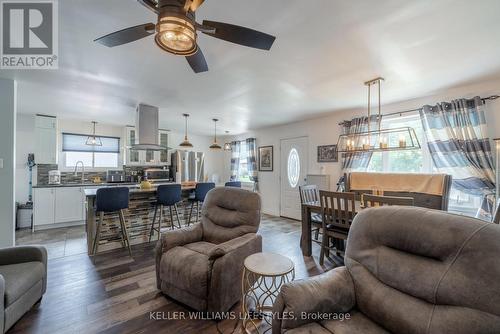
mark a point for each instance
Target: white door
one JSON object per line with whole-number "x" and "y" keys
{"x": 43, "y": 206}
{"x": 69, "y": 204}
{"x": 294, "y": 162}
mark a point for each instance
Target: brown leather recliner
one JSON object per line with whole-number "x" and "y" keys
{"x": 407, "y": 270}
{"x": 201, "y": 266}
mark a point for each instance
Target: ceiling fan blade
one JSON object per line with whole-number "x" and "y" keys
{"x": 239, "y": 35}
{"x": 150, "y": 4}
{"x": 127, "y": 35}
{"x": 195, "y": 4}
{"x": 198, "y": 62}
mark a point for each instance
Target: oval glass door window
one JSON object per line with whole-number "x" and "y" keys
{"x": 293, "y": 167}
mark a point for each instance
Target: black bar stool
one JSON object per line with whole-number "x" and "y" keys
{"x": 166, "y": 195}
{"x": 200, "y": 192}
{"x": 235, "y": 184}
{"x": 112, "y": 200}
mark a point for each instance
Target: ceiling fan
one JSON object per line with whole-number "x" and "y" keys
{"x": 176, "y": 31}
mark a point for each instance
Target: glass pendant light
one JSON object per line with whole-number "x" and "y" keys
{"x": 215, "y": 145}
{"x": 186, "y": 142}
{"x": 93, "y": 140}
{"x": 227, "y": 146}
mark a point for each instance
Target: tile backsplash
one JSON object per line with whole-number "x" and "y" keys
{"x": 69, "y": 177}
{"x": 66, "y": 177}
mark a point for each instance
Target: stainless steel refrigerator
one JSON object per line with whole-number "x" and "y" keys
{"x": 190, "y": 165}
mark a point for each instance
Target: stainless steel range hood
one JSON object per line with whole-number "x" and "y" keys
{"x": 146, "y": 127}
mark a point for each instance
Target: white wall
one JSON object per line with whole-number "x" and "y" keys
{"x": 8, "y": 105}
{"x": 325, "y": 130}
{"x": 26, "y": 143}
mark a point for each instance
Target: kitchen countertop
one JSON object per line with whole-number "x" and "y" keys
{"x": 104, "y": 184}
{"x": 136, "y": 190}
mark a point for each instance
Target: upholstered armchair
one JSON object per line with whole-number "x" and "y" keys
{"x": 23, "y": 281}
{"x": 201, "y": 265}
{"x": 407, "y": 270}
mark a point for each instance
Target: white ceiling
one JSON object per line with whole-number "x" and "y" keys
{"x": 324, "y": 51}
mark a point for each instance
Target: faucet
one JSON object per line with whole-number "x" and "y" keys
{"x": 83, "y": 170}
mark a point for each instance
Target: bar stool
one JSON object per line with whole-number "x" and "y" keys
{"x": 166, "y": 195}
{"x": 112, "y": 200}
{"x": 235, "y": 184}
{"x": 200, "y": 192}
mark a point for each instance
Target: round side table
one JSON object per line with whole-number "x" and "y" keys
{"x": 263, "y": 276}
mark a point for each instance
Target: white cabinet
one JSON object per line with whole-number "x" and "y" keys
{"x": 58, "y": 205}
{"x": 147, "y": 157}
{"x": 43, "y": 206}
{"x": 69, "y": 204}
{"x": 46, "y": 140}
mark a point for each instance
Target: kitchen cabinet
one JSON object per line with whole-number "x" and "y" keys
{"x": 147, "y": 157}
{"x": 69, "y": 205}
{"x": 43, "y": 206}
{"x": 46, "y": 139}
{"x": 58, "y": 205}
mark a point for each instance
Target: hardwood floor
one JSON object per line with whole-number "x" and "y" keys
{"x": 117, "y": 293}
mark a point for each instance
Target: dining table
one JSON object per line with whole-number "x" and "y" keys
{"x": 308, "y": 209}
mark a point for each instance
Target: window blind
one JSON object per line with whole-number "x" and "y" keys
{"x": 72, "y": 142}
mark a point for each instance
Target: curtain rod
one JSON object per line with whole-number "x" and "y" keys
{"x": 489, "y": 98}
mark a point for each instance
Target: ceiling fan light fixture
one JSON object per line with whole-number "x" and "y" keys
{"x": 176, "y": 34}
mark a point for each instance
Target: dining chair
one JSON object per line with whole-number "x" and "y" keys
{"x": 234, "y": 184}
{"x": 310, "y": 194}
{"x": 370, "y": 200}
{"x": 338, "y": 210}
{"x": 167, "y": 195}
{"x": 200, "y": 192}
{"x": 112, "y": 201}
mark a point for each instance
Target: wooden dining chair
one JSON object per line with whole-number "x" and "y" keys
{"x": 338, "y": 211}
{"x": 370, "y": 200}
{"x": 310, "y": 195}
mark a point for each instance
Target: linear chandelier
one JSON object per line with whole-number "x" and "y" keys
{"x": 378, "y": 140}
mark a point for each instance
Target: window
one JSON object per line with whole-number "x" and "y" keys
{"x": 243, "y": 167}
{"x": 411, "y": 161}
{"x": 293, "y": 168}
{"x": 105, "y": 156}
{"x": 418, "y": 161}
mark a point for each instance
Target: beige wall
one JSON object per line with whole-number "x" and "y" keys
{"x": 325, "y": 130}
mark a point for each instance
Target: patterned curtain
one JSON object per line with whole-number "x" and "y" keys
{"x": 252, "y": 161}
{"x": 235, "y": 159}
{"x": 457, "y": 141}
{"x": 357, "y": 160}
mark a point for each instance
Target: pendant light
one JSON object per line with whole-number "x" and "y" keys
{"x": 227, "y": 146}
{"x": 93, "y": 140}
{"x": 186, "y": 142}
{"x": 215, "y": 146}
{"x": 379, "y": 140}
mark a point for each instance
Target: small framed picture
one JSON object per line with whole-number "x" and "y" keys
{"x": 328, "y": 153}
{"x": 266, "y": 158}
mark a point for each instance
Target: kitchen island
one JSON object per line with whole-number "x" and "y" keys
{"x": 138, "y": 218}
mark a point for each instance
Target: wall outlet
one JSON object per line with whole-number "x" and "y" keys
{"x": 1, "y": 163}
